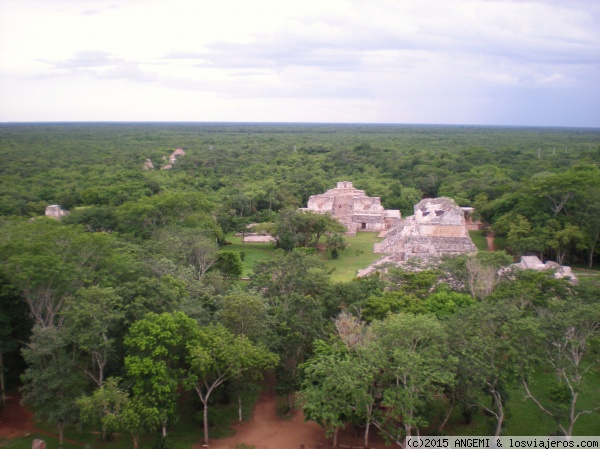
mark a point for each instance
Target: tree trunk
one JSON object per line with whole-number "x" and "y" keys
{"x": 240, "y": 407}
{"x": 164, "y": 428}
{"x": 204, "y": 400}
{"x": 60, "y": 434}
{"x": 447, "y": 416}
{"x": 499, "y": 425}
{"x": 205, "y": 422}
{"x": 572, "y": 418}
{"x": 335, "y": 435}
{"x": 135, "y": 438}
{"x": 592, "y": 252}
{"x": 367, "y": 434}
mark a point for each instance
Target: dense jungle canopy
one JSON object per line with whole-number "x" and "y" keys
{"x": 134, "y": 295}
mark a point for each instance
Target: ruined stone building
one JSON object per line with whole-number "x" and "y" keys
{"x": 534, "y": 263}
{"x": 55, "y": 211}
{"x": 355, "y": 210}
{"x": 438, "y": 227}
{"x": 175, "y": 154}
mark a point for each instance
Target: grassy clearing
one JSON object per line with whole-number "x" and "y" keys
{"x": 358, "y": 255}
{"x": 525, "y": 418}
{"x": 500, "y": 243}
{"x": 253, "y": 251}
{"x": 479, "y": 240}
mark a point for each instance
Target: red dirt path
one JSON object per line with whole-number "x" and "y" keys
{"x": 15, "y": 420}
{"x": 266, "y": 430}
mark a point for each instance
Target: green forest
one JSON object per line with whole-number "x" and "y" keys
{"x": 139, "y": 319}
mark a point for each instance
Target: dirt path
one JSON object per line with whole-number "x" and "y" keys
{"x": 490, "y": 241}
{"x": 15, "y": 420}
{"x": 266, "y": 430}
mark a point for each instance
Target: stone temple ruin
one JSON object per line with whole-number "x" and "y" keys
{"x": 355, "y": 210}
{"x": 55, "y": 211}
{"x": 437, "y": 228}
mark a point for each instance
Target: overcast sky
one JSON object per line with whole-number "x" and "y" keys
{"x": 506, "y": 62}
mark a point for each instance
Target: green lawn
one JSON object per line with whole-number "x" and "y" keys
{"x": 525, "y": 418}
{"x": 481, "y": 242}
{"x": 253, "y": 251}
{"x": 358, "y": 255}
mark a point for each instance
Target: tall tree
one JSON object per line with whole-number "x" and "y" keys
{"x": 245, "y": 314}
{"x": 295, "y": 273}
{"x": 413, "y": 357}
{"x": 104, "y": 407}
{"x": 185, "y": 247}
{"x": 156, "y": 360}
{"x": 486, "y": 357}
{"x": 48, "y": 262}
{"x": 215, "y": 356}
{"x": 52, "y": 382}
{"x": 92, "y": 317}
{"x": 565, "y": 348}
{"x": 337, "y": 389}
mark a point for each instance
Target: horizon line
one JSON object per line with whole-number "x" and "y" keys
{"x": 57, "y": 122}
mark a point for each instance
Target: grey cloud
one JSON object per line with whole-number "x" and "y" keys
{"x": 356, "y": 40}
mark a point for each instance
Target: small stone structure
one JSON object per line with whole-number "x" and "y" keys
{"x": 355, "y": 210}
{"x": 55, "y": 211}
{"x": 257, "y": 238}
{"x": 148, "y": 165}
{"x": 172, "y": 158}
{"x": 175, "y": 154}
{"x": 534, "y": 263}
{"x": 38, "y": 444}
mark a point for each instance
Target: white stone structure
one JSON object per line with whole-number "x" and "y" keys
{"x": 534, "y": 263}
{"x": 175, "y": 154}
{"x": 437, "y": 228}
{"x": 55, "y": 211}
{"x": 148, "y": 165}
{"x": 353, "y": 208}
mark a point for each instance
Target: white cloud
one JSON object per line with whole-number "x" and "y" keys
{"x": 392, "y": 60}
